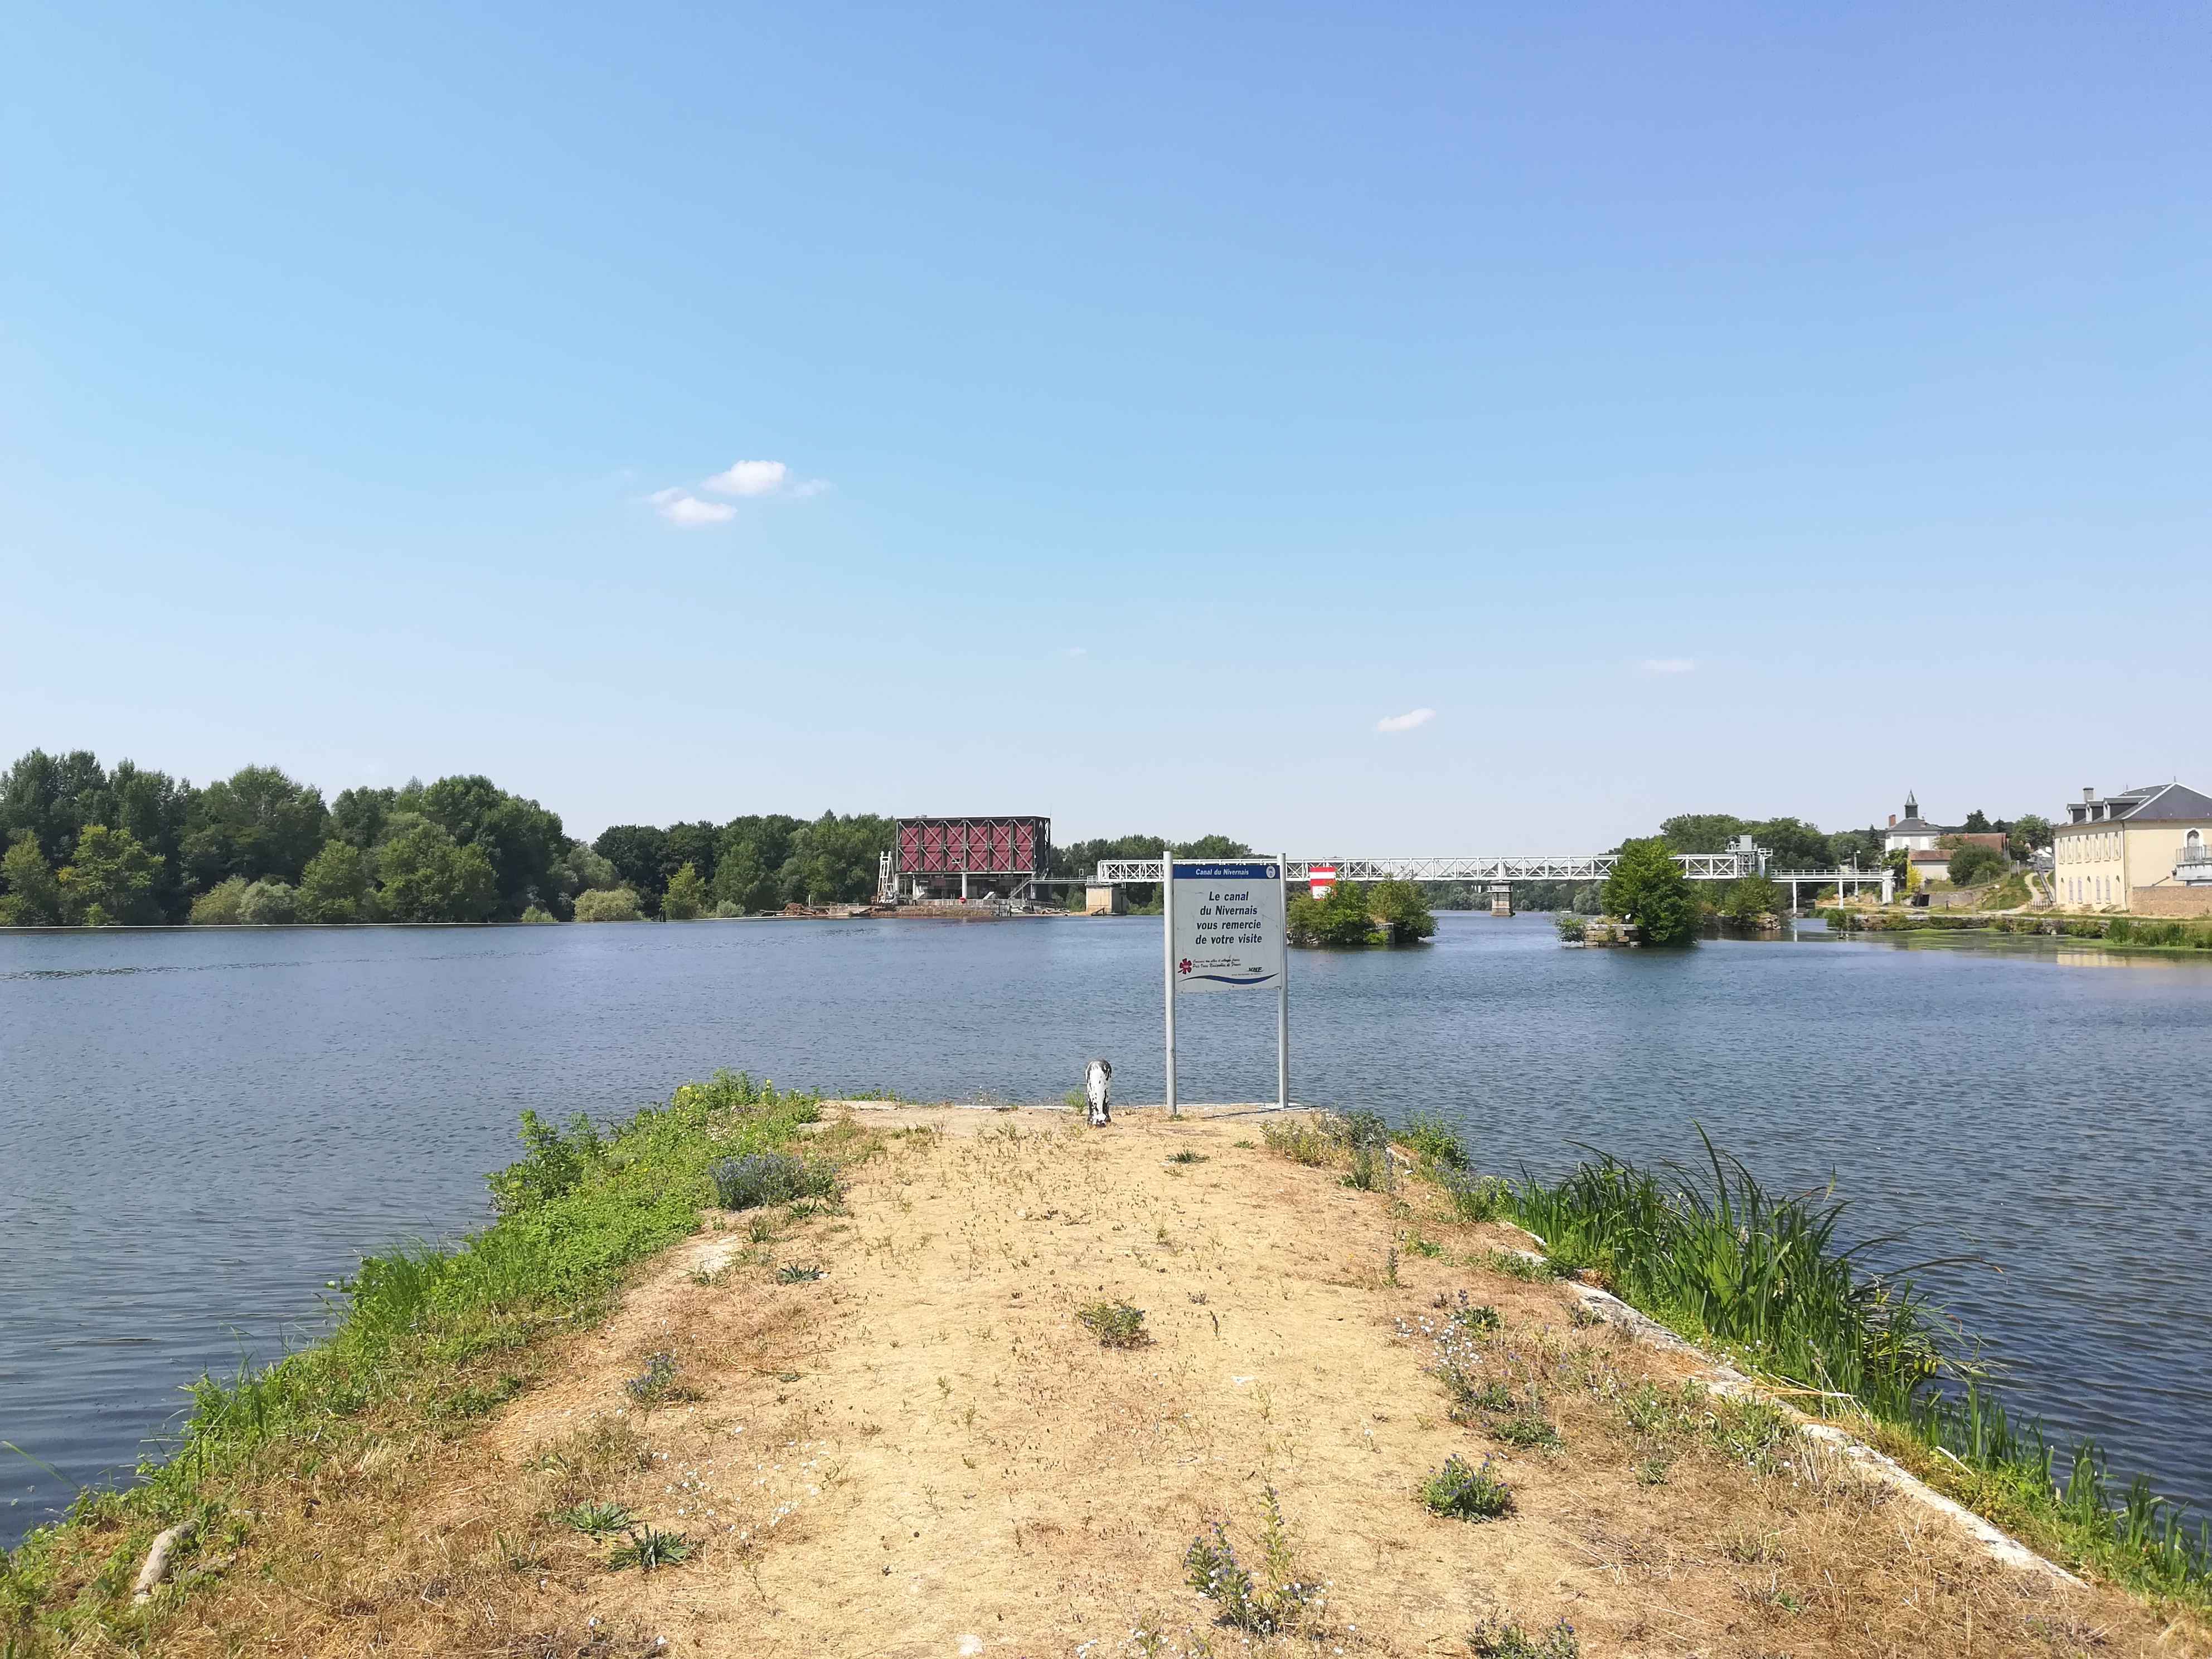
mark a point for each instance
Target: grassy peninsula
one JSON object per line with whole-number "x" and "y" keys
{"x": 755, "y": 1373}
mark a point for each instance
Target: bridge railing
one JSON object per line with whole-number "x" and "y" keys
{"x": 1592, "y": 867}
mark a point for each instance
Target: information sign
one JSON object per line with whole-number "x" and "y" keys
{"x": 1228, "y": 925}
{"x": 1222, "y": 930}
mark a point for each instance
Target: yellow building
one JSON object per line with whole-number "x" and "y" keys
{"x": 2147, "y": 850}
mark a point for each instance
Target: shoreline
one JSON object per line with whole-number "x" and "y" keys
{"x": 905, "y": 1251}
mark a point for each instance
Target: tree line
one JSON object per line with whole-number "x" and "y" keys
{"x": 87, "y": 845}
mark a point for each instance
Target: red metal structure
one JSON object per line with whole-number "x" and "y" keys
{"x": 930, "y": 854}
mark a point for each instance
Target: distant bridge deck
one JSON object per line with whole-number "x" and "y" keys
{"x": 1581, "y": 867}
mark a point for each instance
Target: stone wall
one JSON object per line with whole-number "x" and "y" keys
{"x": 2171, "y": 900}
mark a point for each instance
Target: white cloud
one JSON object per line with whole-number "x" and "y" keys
{"x": 680, "y": 508}
{"x": 751, "y": 478}
{"x": 1669, "y": 665}
{"x": 1406, "y": 721}
{"x": 1075, "y": 651}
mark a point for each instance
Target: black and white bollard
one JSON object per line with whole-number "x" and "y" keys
{"x": 1096, "y": 1076}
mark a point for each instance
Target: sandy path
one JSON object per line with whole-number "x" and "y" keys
{"x": 925, "y": 1453}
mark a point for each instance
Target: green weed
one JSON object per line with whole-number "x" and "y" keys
{"x": 596, "y": 1519}
{"x": 1460, "y": 1490}
{"x": 647, "y": 1548}
{"x": 1507, "y": 1640}
{"x": 1115, "y": 1324}
{"x": 1280, "y": 1600}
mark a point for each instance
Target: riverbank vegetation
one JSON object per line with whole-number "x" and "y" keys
{"x": 1763, "y": 1277}
{"x": 2128, "y": 932}
{"x": 1352, "y": 914}
{"x": 428, "y": 1341}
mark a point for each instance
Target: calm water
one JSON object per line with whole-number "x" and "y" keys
{"x": 198, "y": 1129}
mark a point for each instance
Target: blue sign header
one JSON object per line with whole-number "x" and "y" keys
{"x": 1253, "y": 872}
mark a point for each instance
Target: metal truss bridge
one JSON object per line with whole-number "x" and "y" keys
{"x": 1500, "y": 872}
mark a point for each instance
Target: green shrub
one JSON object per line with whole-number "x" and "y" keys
{"x": 608, "y": 904}
{"x": 771, "y": 1178}
{"x": 218, "y": 906}
{"x": 538, "y": 915}
{"x": 1279, "y": 1602}
{"x": 1433, "y": 1142}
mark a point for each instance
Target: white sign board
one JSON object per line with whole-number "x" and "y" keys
{"x": 1228, "y": 925}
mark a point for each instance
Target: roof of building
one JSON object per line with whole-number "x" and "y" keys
{"x": 2166, "y": 803}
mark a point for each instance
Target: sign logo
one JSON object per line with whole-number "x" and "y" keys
{"x": 1183, "y": 966}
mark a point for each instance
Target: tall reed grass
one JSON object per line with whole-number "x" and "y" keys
{"x": 1764, "y": 1275}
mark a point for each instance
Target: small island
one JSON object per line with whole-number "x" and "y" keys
{"x": 1354, "y": 916}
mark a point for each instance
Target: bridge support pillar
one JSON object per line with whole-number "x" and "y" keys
{"x": 1501, "y": 898}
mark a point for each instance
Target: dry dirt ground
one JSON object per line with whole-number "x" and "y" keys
{"x": 924, "y": 1452}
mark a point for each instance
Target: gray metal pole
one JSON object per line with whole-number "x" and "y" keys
{"x": 1283, "y": 1008}
{"x": 1168, "y": 965}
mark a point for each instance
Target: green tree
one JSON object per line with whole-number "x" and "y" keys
{"x": 2031, "y": 833}
{"x": 522, "y": 841}
{"x": 335, "y": 885}
{"x": 1972, "y": 864}
{"x": 428, "y": 876}
{"x": 686, "y": 897}
{"x": 833, "y": 860}
{"x": 1977, "y": 823}
{"x": 357, "y": 815}
{"x": 1750, "y": 899}
{"x": 53, "y": 796}
{"x": 1702, "y": 832}
{"x": 1399, "y": 907}
{"x": 1648, "y": 888}
{"x": 111, "y": 878}
{"x": 635, "y": 850}
{"x": 32, "y": 896}
{"x": 1343, "y": 918}
{"x": 695, "y": 844}
{"x": 256, "y": 823}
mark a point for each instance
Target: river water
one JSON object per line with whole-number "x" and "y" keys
{"x": 199, "y": 1128}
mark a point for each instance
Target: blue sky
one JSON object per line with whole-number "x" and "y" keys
{"x": 1695, "y": 408}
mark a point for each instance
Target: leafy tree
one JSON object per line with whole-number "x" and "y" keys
{"x": 1702, "y": 832}
{"x": 750, "y": 859}
{"x": 1398, "y": 906}
{"x": 256, "y": 823}
{"x": 53, "y": 796}
{"x": 1861, "y": 846}
{"x": 219, "y": 906}
{"x": 335, "y": 885}
{"x": 268, "y": 903}
{"x": 833, "y": 860}
{"x": 635, "y": 850}
{"x": 1648, "y": 888}
{"x": 695, "y": 844}
{"x": 1752, "y": 899}
{"x": 1212, "y": 846}
{"x": 34, "y": 896}
{"x": 686, "y": 897}
{"x": 608, "y": 904}
{"x": 522, "y": 841}
{"x": 155, "y": 808}
{"x": 357, "y": 815}
{"x": 1338, "y": 920}
{"x": 111, "y": 878}
{"x": 428, "y": 876}
{"x": 1795, "y": 844}
{"x": 2031, "y": 833}
{"x": 1972, "y": 864}
{"x": 1976, "y": 823}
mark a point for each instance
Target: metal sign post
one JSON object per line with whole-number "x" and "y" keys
{"x": 1225, "y": 934}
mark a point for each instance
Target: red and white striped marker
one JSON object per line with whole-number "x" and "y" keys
{"x": 1321, "y": 879}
